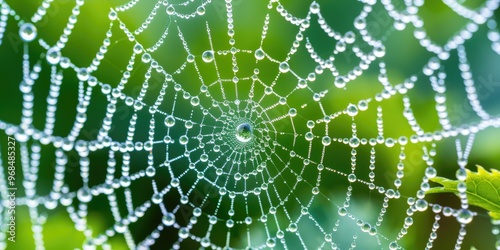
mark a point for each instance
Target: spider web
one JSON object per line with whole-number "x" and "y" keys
{"x": 246, "y": 124}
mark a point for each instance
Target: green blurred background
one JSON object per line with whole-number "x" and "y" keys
{"x": 404, "y": 58}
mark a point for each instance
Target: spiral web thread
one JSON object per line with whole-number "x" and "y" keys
{"x": 230, "y": 151}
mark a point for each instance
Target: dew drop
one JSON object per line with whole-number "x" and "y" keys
{"x": 352, "y": 110}
{"x": 183, "y": 140}
{"x": 379, "y": 51}
{"x": 157, "y": 198}
{"x": 390, "y": 193}
{"x": 183, "y": 232}
{"x": 326, "y": 140}
{"x": 464, "y": 216}
{"x": 83, "y": 74}
{"x": 148, "y": 146}
{"x": 170, "y": 10}
{"x": 399, "y": 25}
{"x": 284, "y": 67}
{"x": 461, "y": 174}
{"x": 421, "y": 205}
{"x": 84, "y": 194}
{"x": 138, "y": 105}
{"x": 342, "y": 211}
{"x": 28, "y": 32}
{"x": 328, "y": 237}
{"x": 175, "y": 182}
{"x": 53, "y": 55}
{"x": 280, "y": 234}
{"x": 146, "y": 58}
{"x": 359, "y": 23}
{"x": 92, "y": 81}
{"x": 112, "y": 15}
{"x": 351, "y": 177}
{"x": 205, "y": 242}
{"x": 259, "y": 54}
{"x": 354, "y": 142}
{"x": 350, "y": 37}
{"x": 244, "y": 132}
{"x": 282, "y": 101}
{"x": 169, "y": 121}
{"x": 120, "y": 227}
{"x": 310, "y": 124}
{"x": 197, "y": 212}
{"x": 408, "y": 221}
{"x": 212, "y": 220}
{"x": 309, "y": 136}
{"x": 204, "y": 157}
{"x": 50, "y": 204}
{"x": 268, "y": 90}
{"x": 302, "y": 83}
{"x": 340, "y": 46}
{"x": 138, "y": 48}
{"x": 393, "y": 245}
{"x": 208, "y": 56}
{"x": 436, "y": 208}
{"x": 362, "y": 105}
{"x": 447, "y": 211}
{"x": 365, "y": 227}
{"x": 65, "y": 63}
{"x": 430, "y": 172}
{"x": 304, "y": 211}
{"x": 314, "y": 8}
{"x": 270, "y": 242}
{"x": 200, "y": 10}
{"x": 263, "y": 218}
{"x": 237, "y": 177}
{"x": 168, "y": 219}
{"x": 340, "y": 82}
{"x": 229, "y": 223}
{"x": 272, "y": 210}
{"x": 150, "y": 171}
{"x": 461, "y": 187}
{"x": 195, "y": 101}
{"x": 125, "y": 181}
{"x": 184, "y": 199}
{"x": 167, "y": 139}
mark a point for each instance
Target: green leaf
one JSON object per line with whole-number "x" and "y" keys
{"x": 483, "y": 189}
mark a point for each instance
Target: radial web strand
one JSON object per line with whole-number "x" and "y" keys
{"x": 246, "y": 124}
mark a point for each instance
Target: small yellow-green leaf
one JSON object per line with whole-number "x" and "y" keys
{"x": 495, "y": 215}
{"x": 483, "y": 189}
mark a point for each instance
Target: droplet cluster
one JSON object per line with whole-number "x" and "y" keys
{"x": 231, "y": 149}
